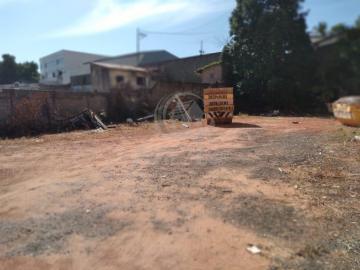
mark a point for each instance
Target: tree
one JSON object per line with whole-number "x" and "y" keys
{"x": 11, "y": 72}
{"x": 270, "y": 57}
{"x": 357, "y": 23}
{"x": 339, "y": 66}
{"x": 28, "y": 72}
{"x": 338, "y": 29}
{"x": 8, "y": 69}
{"x": 322, "y": 29}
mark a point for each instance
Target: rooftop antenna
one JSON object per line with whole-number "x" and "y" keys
{"x": 202, "y": 52}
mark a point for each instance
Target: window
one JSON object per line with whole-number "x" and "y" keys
{"x": 140, "y": 81}
{"x": 54, "y": 75}
{"x": 119, "y": 79}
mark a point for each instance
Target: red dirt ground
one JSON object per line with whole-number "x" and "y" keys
{"x": 169, "y": 197}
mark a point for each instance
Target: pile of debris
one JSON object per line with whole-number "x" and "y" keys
{"x": 87, "y": 119}
{"x": 26, "y": 123}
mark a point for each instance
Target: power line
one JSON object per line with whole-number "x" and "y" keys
{"x": 141, "y": 34}
{"x": 177, "y": 33}
{"x": 209, "y": 22}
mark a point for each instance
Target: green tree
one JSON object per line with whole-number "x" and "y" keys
{"x": 339, "y": 66}
{"x": 339, "y": 28}
{"x": 11, "y": 72}
{"x": 357, "y": 23}
{"x": 270, "y": 57}
{"x": 28, "y": 72}
{"x": 322, "y": 29}
{"x": 8, "y": 69}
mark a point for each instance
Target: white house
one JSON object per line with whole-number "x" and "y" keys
{"x": 58, "y": 68}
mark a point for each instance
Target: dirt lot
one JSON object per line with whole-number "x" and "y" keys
{"x": 169, "y": 197}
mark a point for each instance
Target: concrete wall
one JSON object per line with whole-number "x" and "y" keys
{"x": 5, "y": 107}
{"x": 126, "y": 103}
{"x": 58, "y": 104}
{"x": 42, "y": 108}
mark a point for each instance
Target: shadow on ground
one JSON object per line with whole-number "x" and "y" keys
{"x": 239, "y": 125}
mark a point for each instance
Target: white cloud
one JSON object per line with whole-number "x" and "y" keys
{"x": 108, "y": 15}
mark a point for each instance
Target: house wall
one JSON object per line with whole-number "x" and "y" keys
{"x": 66, "y": 62}
{"x": 184, "y": 70}
{"x": 103, "y": 79}
{"x": 50, "y": 66}
{"x": 130, "y": 79}
{"x": 212, "y": 75}
{"x": 100, "y": 79}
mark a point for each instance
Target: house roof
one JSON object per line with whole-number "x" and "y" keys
{"x": 213, "y": 64}
{"x": 193, "y": 58}
{"x": 119, "y": 67}
{"x": 93, "y": 55}
{"x": 140, "y": 59}
{"x": 319, "y": 42}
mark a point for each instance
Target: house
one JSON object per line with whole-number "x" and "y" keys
{"x": 69, "y": 67}
{"x": 58, "y": 68}
{"x": 182, "y": 70}
{"x": 106, "y": 77}
{"x": 211, "y": 73}
{"x": 73, "y": 68}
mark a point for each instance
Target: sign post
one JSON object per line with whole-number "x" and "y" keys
{"x": 219, "y": 105}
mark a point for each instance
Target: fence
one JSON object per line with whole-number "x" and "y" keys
{"x": 36, "y": 110}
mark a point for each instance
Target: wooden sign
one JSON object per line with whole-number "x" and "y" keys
{"x": 219, "y": 105}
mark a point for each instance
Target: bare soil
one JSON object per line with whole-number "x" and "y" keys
{"x": 164, "y": 196}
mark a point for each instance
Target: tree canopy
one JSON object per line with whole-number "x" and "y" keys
{"x": 11, "y": 72}
{"x": 322, "y": 29}
{"x": 270, "y": 59}
{"x": 339, "y": 64}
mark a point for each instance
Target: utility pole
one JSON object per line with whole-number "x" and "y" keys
{"x": 202, "y": 52}
{"x": 137, "y": 46}
{"x": 137, "y": 40}
{"x": 139, "y": 36}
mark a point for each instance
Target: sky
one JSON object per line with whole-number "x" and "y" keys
{"x": 30, "y": 29}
